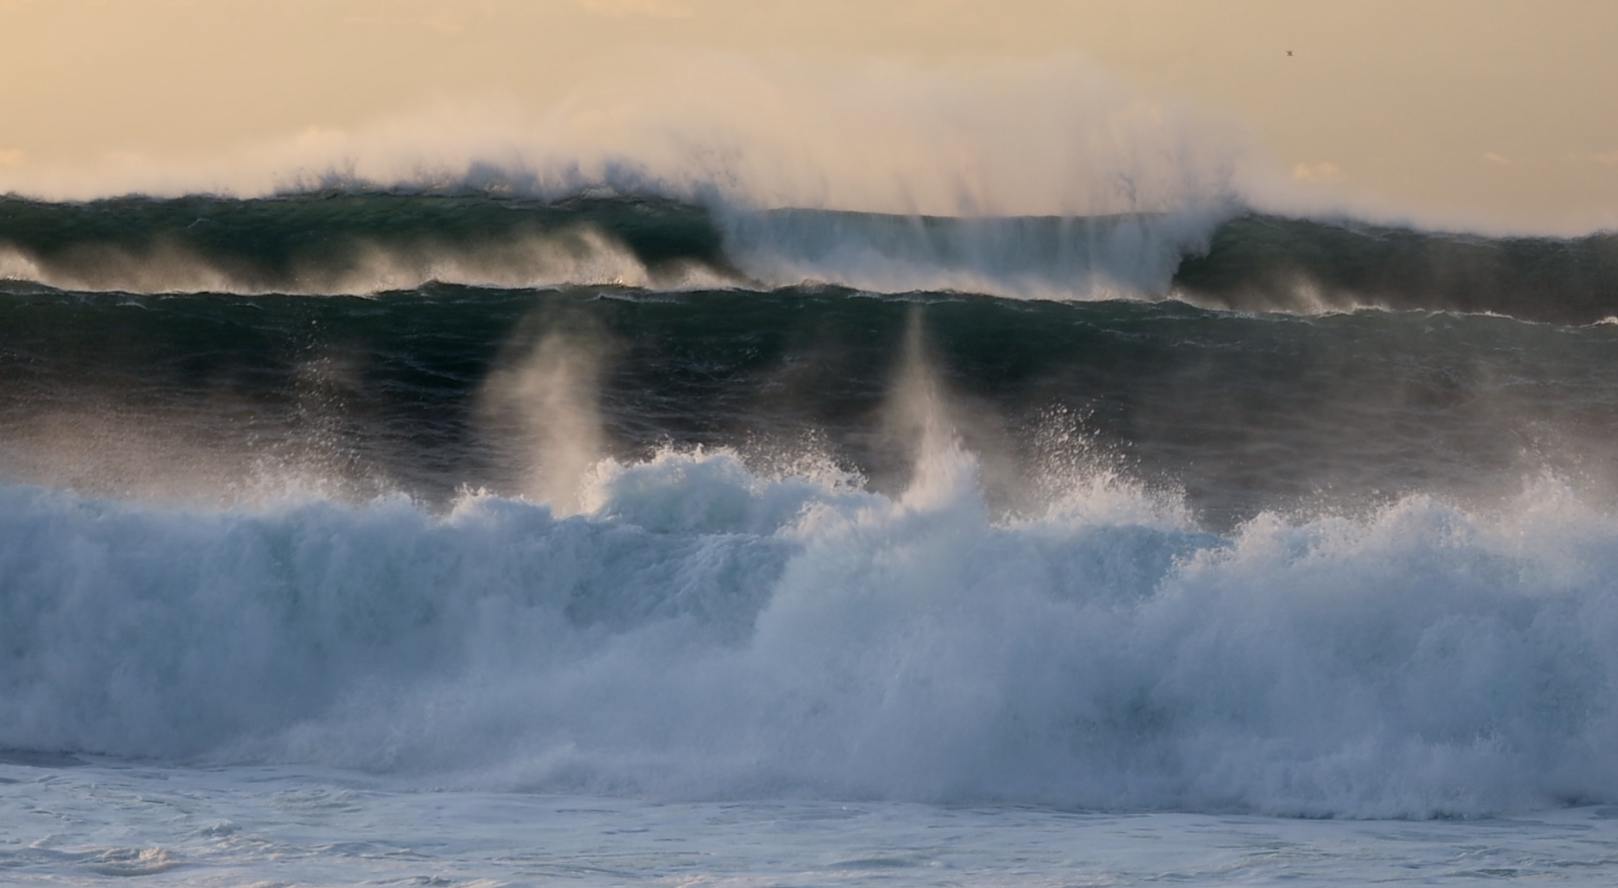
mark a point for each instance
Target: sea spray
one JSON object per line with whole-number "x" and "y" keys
{"x": 1036, "y": 137}
{"x": 546, "y": 404}
{"x": 1126, "y": 255}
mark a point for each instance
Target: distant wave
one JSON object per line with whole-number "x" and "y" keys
{"x": 1259, "y": 263}
{"x": 344, "y": 243}
{"x": 367, "y": 242}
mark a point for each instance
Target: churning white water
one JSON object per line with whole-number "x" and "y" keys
{"x": 705, "y": 633}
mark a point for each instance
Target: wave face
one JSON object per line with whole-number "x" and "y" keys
{"x": 631, "y": 496}
{"x": 1264, "y": 263}
{"x": 365, "y": 243}
{"x": 348, "y": 243}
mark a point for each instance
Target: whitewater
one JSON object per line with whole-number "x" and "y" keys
{"x": 626, "y": 506}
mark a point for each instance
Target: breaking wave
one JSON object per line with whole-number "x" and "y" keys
{"x": 362, "y": 243}
{"x": 705, "y": 631}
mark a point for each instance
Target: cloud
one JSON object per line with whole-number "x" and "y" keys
{"x": 13, "y": 157}
{"x": 1325, "y": 171}
{"x": 1493, "y": 157}
{"x": 665, "y": 9}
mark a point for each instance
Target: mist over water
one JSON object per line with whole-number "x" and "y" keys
{"x": 547, "y": 402}
{"x": 1041, "y": 137}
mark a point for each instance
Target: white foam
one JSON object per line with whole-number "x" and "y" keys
{"x": 706, "y": 632}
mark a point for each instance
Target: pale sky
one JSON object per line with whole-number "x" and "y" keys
{"x": 1488, "y": 113}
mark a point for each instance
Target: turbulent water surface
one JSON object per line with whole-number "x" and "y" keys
{"x": 797, "y": 545}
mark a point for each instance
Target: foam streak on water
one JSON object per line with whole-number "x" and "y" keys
{"x": 77, "y": 825}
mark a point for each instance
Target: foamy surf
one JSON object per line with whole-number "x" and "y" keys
{"x": 707, "y": 633}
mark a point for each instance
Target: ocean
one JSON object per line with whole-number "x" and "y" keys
{"x": 467, "y": 536}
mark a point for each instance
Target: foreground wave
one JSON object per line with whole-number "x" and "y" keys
{"x": 362, "y": 243}
{"x": 708, "y": 632}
